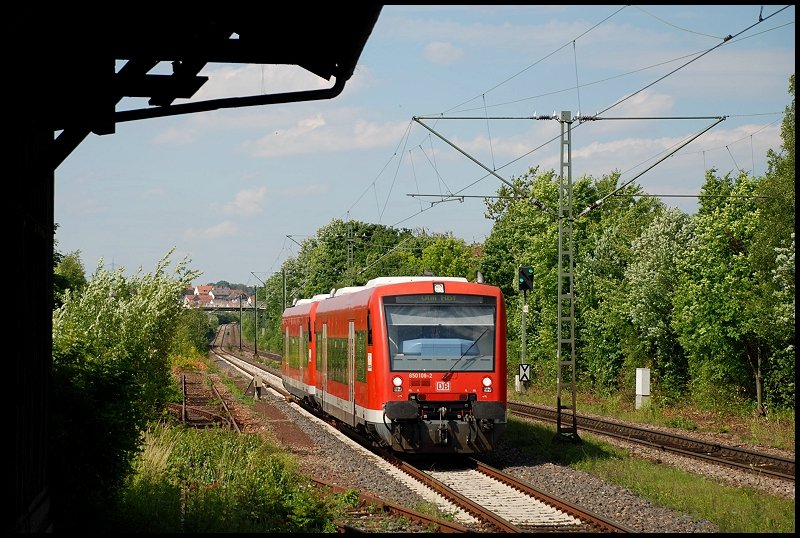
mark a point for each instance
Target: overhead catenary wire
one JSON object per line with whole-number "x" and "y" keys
{"x": 598, "y": 203}
{"x": 537, "y": 62}
{"x": 403, "y": 142}
{"x": 488, "y": 132}
{"x": 733, "y": 159}
{"x": 407, "y": 133}
{"x": 617, "y": 103}
{"x": 513, "y": 187}
{"x": 458, "y": 194}
{"x": 724, "y": 40}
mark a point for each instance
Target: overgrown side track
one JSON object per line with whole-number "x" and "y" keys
{"x": 757, "y": 462}
{"x": 203, "y": 406}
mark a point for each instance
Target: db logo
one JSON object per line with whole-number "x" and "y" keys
{"x": 442, "y": 385}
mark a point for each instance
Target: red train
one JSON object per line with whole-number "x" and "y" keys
{"x": 418, "y": 363}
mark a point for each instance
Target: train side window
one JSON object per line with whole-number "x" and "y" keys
{"x": 369, "y": 329}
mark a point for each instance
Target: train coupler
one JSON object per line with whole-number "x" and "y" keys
{"x": 442, "y": 432}
{"x": 442, "y": 435}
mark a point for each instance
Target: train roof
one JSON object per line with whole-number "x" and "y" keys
{"x": 384, "y": 280}
{"x": 314, "y": 299}
{"x": 346, "y": 289}
{"x": 377, "y": 282}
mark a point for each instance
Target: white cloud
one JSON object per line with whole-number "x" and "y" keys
{"x": 238, "y": 81}
{"x": 253, "y": 79}
{"x": 336, "y": 131}
{"x": 442, "y": 53}
{"x": 223, "y": 229}
{"x": 642, "y": 104}
{"x": 247, "y": 202}
{"x": 180, "y": 135}
{"x": 508, "y": 147}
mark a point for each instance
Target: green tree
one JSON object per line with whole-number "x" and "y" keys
{"x": 773, "y": 257}
{"x": 68, "y": 274}
{"x": 717, "y": 302}
{"x": 526, "y": 233}
{"x": 274, "y": 299}
{"x": 340, "y": 254}
{"x": 523, "y": 234}
{"x": 448, "y": 256}
{"x": 352, "y": 253}
{"x": 603, "y": 252}
{"x": 384, "y": 251}
{"x": 193, "y": 332}
{"x": 776, "y": 191}
{"x": 111, "y": 377}
{"x": 735, "y": 309}
{"x": 650, "y": 285}
{"x": 779, "y": 379}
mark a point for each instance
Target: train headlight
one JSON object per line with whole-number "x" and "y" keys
{"x": 487, "y": 384}
{"x": 397, "y": 381}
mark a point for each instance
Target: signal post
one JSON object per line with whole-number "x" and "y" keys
{"x": 524, "y": 283}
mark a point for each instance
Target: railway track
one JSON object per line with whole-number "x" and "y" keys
{"x": 203, "y": 406}
{"x": 503, "y": 502}
{"x": 477, "y": 495}
{"x": 426, "y": 521}
{"x": 756, "y": 462}
{"x": 482, "y": 495}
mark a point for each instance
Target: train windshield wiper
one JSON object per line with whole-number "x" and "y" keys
{"x": 449, "y": 372}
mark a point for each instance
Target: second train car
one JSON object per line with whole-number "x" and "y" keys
{"x": 417, "y": 363}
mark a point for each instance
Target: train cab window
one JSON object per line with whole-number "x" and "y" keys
{"x": 440, "y": 333}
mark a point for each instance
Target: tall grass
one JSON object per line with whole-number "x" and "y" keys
{"x": 214, "y": 480}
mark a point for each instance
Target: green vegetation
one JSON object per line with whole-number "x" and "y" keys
{"x": 112, "y": 340}
{"x": 217, "y": 481}
{"x": 68, "y": 273}
{"x": 707, "y": 302}
{"x": 732, "y": 509}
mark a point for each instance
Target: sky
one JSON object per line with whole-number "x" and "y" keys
{"x": 447, "y": 105}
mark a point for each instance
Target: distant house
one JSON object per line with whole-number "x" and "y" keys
{"x": 210, "y": 297}
{"x": 203, "y": 290}
{"x": 196, "y": 300}
{"x": 227, "y": 294}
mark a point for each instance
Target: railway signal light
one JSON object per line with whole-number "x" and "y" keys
{"x": 525, "y": 279}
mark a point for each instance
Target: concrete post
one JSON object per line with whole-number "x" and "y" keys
{"x": 642, "y": 387}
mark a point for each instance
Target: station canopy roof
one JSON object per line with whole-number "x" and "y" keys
{"x": 78, "y": 62}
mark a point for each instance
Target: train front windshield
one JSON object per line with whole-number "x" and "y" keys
{"x": 441, "y": 333}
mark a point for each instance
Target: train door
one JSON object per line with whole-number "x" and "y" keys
{"x": 351, "y": 369}
{"x": 301, "y": 358}
{"x": 322, "y": 365}
{"x": 309, "y": 371}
